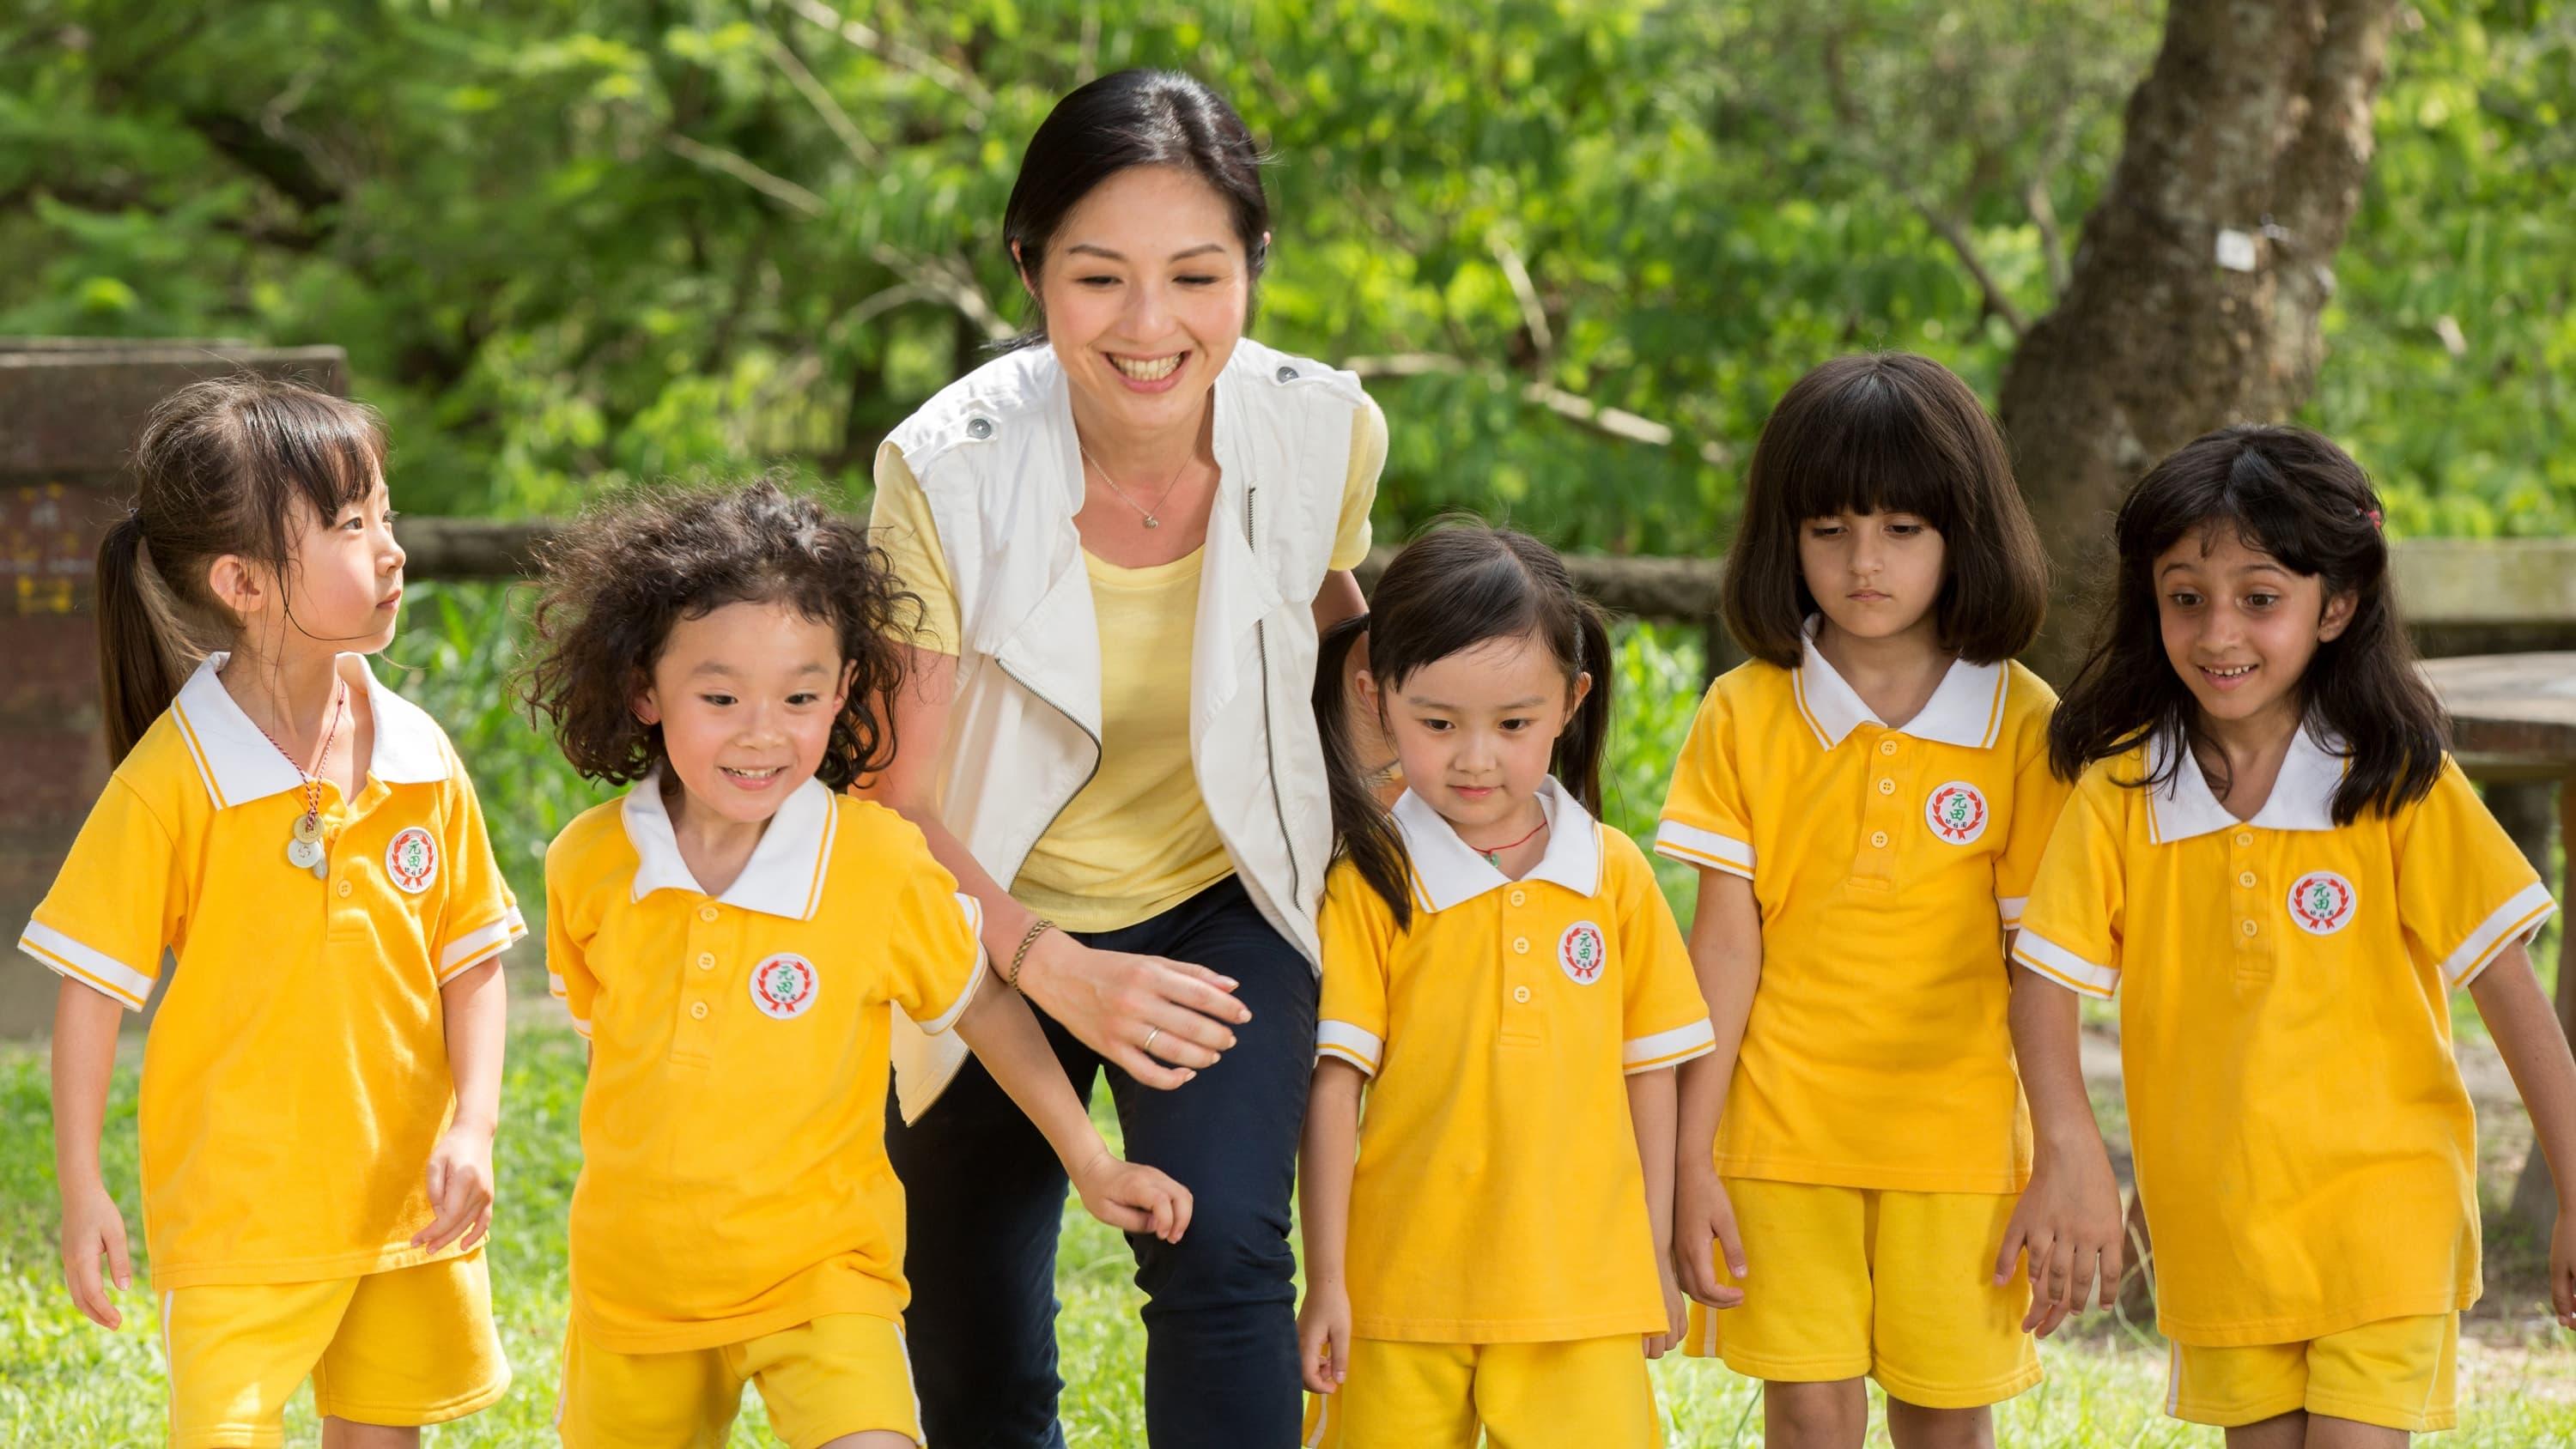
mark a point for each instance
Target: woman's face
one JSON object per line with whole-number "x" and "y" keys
{"x": 1145, "y": 286}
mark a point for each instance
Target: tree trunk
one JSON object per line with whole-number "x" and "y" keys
{"x": 2246, "y": 147}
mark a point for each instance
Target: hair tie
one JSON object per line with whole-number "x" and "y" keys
{"x": 2373, "y": 515}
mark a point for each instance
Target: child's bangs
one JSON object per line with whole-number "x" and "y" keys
{"x": 330, "y": 452}
{"x": 1877, "y": 466}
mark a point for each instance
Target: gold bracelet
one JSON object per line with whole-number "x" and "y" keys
{"x": 1019, "y": 958}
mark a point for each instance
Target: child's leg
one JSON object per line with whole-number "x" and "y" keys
{"x": 1829, "y": 1415}
{"x": 236, "y": 1353}
{"x": 2282, "y": 1431}
{"x": 2370, "y": 1387}
{"x": 1591, "y": 1393}
{"x": 844, "y": 1379}
{"x": 1913, "y": 1426}
{"x": 1400, "y": 1396}
{"x": 416, "y": 1346}
{"x": 2328, "y": 1432}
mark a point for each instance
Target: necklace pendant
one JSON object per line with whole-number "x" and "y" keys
{"x": 304, "y": 854}
{"x": 308, "y": 827}
{"x": 1152, "y": 522}
{"x": 321, "y": 871}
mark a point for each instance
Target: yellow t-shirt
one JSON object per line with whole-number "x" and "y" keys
{"x": 1137, "y": 839}
{"x": 296, "y": 1077}
{"x": 734, "y": 1179}
{"x": 1497, "y": 1197}
{"x": 1887, "y": 863}
{"x": 2304, "y": 1144}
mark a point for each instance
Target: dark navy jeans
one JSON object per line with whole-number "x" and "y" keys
{"x": 985, "y": 1199}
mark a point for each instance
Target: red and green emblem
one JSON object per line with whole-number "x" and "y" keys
{"x": 783, "y": 986}
{"x": 2321, "y": 902}
{"x": 1956, "y": 812}
{"x": 412, "y": 859}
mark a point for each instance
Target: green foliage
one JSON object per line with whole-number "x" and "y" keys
{"x": 572, "y": 241}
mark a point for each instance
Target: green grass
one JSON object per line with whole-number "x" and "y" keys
{"x": 66, "y": 1382}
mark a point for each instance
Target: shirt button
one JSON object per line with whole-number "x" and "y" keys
{"x": 1878, "y": 838}
{"x": 706, "y": 913}
{"x": 2247, "y": 879}
{"x": 1887, "y": 787}
{"x": 1520, "y": 994}
{"x": 1519, "y": 896}
{"x": 1887, "y": 747}
{"x": 1520, "y": 945}
{"x": 979, "y": 428}
{"x": 2245, "y": 837}
{"x": 706, "y": 961}
{"x": 697, "y": 1011}
{"x": 2249, "y": 928}
{"x": 345, "y": 887}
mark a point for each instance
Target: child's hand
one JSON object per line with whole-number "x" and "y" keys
{"x": 1134, "y": 1198}
{"x": 92, "y": 1226}
{"x": 2068, "y": 1221}
{"x": 460, "y": 1188}
{"x": 1324, "y": 1336}
{"x": 2562, "y": 1269}
{"x": 1676, "y": 1320}
{"x": 1702, "y": 1214}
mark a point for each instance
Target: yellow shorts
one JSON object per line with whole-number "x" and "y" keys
{"x": 843, "y": 1373}
{"x": 2398, "y": 1373}
{"x": 1592, "y": 1393}
{"x": 409, "y": 1346}
{"x": 1847, "y": 1281}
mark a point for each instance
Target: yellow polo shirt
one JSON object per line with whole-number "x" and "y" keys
{"x": 295, "y": 1079}
{"x": 1497, "y": 1197}
{"x": 1137, "y": 840}
{"x": 734, "y": 1179}
{"x": 1887, "y": 863}
{"x": 2303, "y": 1141}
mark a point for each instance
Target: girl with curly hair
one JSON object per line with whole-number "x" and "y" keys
{"x": 730, "y": 936}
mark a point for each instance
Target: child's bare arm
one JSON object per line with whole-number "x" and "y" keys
{"x": 85, "y": 1026}
{"x": 1650, "y": 1114}
{"x": 1004, "y": 1034}
{"x": 1325, "y": 1161}
{"x": 1726, "y": 953}
{"x": 476, "y": 1005}
{"x": 2068, "y": 1220}
{"x": 2527, "y": 1035}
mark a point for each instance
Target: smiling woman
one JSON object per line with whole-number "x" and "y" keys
{"x": 1125, "y": 535}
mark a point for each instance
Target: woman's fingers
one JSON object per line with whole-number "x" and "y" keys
{"x": 1197, "y": 989}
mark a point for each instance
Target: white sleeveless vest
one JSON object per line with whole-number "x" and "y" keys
{"x": 997, "y": 461}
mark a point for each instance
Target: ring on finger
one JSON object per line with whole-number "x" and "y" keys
{"x": 1148, "y": 1045}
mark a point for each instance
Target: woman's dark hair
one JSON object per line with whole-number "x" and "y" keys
{"x": 618, "y": 580}
{"x": 2295, "y": 496}
{"x": 1886, "y": 432}
{"x": 1447, "y": 591}
{"x": 220, "y": 468}
{"x": 1126, "y": 119}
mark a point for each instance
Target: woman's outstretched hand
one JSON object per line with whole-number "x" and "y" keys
{"x": 1159, "y": 1021}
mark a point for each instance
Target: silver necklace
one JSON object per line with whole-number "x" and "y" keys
{"x": 1150, "y": 520}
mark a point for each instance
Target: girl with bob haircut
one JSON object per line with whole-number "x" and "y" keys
{"x": 734, "y": 938}
{"x": 1866, "y": 801}
{"x": 2271, "y": 859}
{"x": 322, "y": 1082}
{"x": 1504, "y": 981}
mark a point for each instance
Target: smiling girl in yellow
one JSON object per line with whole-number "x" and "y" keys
{"x": 734, "y": 937}
{"x": 2274, "y": 863}
{"x": 321, "y": 1084}
{"x": 1505, "y": 983}
{"x": 1865, "y": 802}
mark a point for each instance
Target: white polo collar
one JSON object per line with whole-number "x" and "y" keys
{"x": 1448, "y": 872}
{"x": 1966, "y": 708}
{"x": 239, "y": 765}
{"x": 784, "y": 876}
{"x": 2302, "y": 797}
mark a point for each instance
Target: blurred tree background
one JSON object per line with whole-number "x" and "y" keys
{"x": 1578, "y": 246}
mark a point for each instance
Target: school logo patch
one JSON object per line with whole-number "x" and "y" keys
{"x": 412, "y": 859}
{"x": 783, "y": 986}
{"x": 2321, "y": 902}
{"x": 1956, "y": 812}
{"x": 1582, "y": 952}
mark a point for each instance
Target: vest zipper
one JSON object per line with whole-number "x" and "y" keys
{"x": 1269, "y": 725}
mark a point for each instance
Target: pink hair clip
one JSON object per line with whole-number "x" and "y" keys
{"x": 2373, "y": 515}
